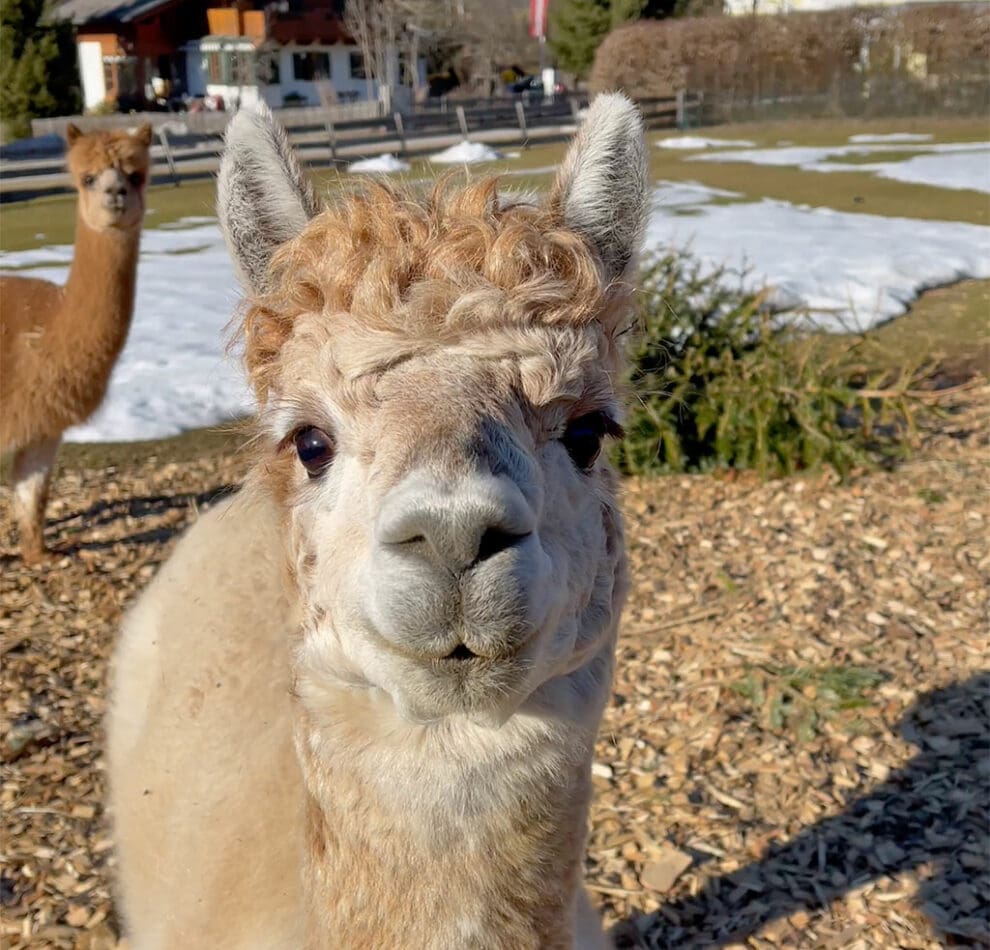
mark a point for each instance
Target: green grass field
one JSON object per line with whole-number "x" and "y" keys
{"x": 50, "y": 220}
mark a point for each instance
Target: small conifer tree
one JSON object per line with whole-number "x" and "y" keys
{"x": 38, "y": 75}
{"x": 578, "y": 26}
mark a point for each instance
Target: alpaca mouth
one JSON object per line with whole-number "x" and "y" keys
{"x": 462, "y": 652}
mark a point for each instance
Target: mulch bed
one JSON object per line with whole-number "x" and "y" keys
{"x": 796, "y": 754}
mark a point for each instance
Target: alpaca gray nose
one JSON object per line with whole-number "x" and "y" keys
{"x": 115, "y": 196}
{"x": 455, "y": 526}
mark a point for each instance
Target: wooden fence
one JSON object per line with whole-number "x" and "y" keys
{"x": 322, "y": 137}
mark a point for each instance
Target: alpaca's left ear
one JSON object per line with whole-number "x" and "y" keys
{"x": 72, "y": 132}
{"x": 601, "y": 188}
{"x": 142, "y": 134}
{"x": 263, "y": 198}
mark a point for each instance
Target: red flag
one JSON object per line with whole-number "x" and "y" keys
{"x": 538, "y": 18}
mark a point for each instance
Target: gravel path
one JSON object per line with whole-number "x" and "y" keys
{"x": 797, "y": 749}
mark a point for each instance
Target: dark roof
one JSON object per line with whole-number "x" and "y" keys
{"x": 92, "y": 11}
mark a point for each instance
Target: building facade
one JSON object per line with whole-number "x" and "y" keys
{"x": 167, "y": 52}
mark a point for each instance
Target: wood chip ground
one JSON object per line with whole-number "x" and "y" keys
{"x": 796, "y": 752}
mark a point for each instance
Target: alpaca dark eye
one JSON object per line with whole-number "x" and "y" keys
{"x": 583, "y": 438}
{"x": 315, "y": 449}
{"x": 88, "y": 180}
{"x": 136, "y": 179}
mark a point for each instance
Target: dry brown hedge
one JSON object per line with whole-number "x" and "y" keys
{"x": 846, "y": 57}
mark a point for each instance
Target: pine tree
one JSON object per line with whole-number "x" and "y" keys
{"x": 578, "y": 26}
{"x": 38, "y": 75}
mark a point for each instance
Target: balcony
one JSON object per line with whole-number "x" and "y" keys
{"x": 230, "y": 21}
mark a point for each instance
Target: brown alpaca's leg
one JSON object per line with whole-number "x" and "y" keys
{"x": 32, "y": 475}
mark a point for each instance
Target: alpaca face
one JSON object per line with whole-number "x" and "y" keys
{"x": 110, "y": 171}
{"x": 452, "y": 525}
{"x": 438, "y": 381}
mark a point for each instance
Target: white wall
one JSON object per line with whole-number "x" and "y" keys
{"x": 347, "y": 88}
{"x": 340, "y": 74}
{"x": 91, "y": 73}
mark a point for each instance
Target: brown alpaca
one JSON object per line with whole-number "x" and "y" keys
{"x": 58, "y": 345}
{"x": 388, "y": 745}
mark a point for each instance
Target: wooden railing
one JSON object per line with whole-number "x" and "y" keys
{"x": 188, "y": 146}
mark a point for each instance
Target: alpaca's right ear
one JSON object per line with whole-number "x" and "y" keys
{"x": 601, "y": 190}
{"x": 72, "y": 132}
{"x": 263, "y": 200}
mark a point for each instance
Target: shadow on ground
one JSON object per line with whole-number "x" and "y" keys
{"x": 69, "y": 534}
{"x": 932, "y": 816}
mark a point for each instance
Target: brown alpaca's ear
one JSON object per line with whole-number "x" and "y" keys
{"x": 601, "y": 188}
{"x": 142, "y": 134}
{"x": 72, "y": 132}
{"x": 263, "y": 198}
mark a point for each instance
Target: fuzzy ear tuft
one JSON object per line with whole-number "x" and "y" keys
{"x": 72, "y": 132}
{"x": 601, "y": 188}
{"x": 142, "y": 134}
{"x": 263, "y": 199}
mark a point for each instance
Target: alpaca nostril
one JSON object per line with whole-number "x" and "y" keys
{"x": 453, "y": 526}
{"x": 495, "y": 540}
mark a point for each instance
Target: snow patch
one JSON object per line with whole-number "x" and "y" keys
{"x": 380, "y": 163}
{"x": 945, "y": 165}
{"x": 465, "y": 153}
{"x": 893, "y": 137}
{"x": 963, "y": 170}
{"x": 678, "y": 195}
{"x": 852, "y": 271}
{"x": 696, "y": 142}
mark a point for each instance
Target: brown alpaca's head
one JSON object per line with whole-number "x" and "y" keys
{"x": 437, "y": 377}
{"x": 110, "y": 170}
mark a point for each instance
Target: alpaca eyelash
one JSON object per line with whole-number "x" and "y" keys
{"x": 611, "y": 428}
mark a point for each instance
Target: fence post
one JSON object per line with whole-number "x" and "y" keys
{"x": 575, "y": 110}
{"x": 681, "y": 114}
{"x": 521, "y": 115}
{"x": 401, "y": 130}
{"x": 163, "y": 138}
{"x": 462, "y": 121}
{"x": 332, "y": 136}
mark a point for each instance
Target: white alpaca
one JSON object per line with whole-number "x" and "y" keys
{"x": 357, "y": 707}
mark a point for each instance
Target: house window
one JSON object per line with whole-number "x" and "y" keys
{"x": 213, "y": 66}
{"x": 110, "y": 79}
{"x": 308, "y": 67}
{"x": 229, "y": 67}
{"x": 268, "y": 70}
{"x": 242, "y": 68}
{"x": 357, "y": 66}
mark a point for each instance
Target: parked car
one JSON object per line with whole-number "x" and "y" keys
{"x": 531, "y": 87}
